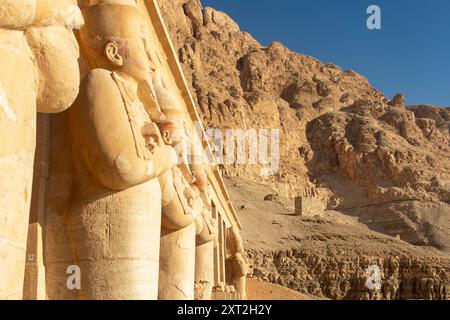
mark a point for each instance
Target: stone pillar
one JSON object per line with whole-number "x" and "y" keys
{"x": 178, "y": 236}
{"x": 222, "y": 254}
{"x": 115, "y": 244}
{"x": 34, "y": 283}
{"x": 204, "y": 255}
{"x": 58, "y": 256}
{"x": 204, "y": 271}
{"x": 238, "y": 263}
{"x": 298, "y": 206}
{"x": 177, "y": 264}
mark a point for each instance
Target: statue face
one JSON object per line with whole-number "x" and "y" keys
{"x": 137, "y": 61}
{"x": 117, "y": 37}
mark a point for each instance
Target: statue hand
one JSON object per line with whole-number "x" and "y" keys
{"x": 152, "y": 136}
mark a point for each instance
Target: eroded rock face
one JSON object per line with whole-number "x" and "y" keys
{"x": 342, "y": 141}
{"x": 394, "y": 166}
{"x": 239, "y": 83}
{"x": 332, "y": 255}
{"x": 345, "y": 275}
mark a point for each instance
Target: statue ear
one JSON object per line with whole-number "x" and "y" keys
{"x": 113, "y": 55}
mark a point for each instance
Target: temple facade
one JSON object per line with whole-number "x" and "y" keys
{"x": 124, "y": 200}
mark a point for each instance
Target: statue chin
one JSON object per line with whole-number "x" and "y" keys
{"x": 56, "y": 56}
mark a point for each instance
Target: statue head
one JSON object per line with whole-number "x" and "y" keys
{"x": 116, "y": 38}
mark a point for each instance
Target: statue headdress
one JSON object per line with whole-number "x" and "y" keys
{"x": 110, "y": 20}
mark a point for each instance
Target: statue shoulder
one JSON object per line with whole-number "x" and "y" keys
{"x": 99, "y": 89}
{"x": 99, "y": 79}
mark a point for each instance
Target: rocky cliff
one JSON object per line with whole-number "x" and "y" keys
{"x": 343, "y": 142}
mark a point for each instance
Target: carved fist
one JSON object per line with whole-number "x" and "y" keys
{"x": 152, "y": 136}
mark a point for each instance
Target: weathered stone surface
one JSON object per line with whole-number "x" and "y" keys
{"x": 342, "y": 274}
{"x": 239, "y": 83}
{"x": 379, "y": 170}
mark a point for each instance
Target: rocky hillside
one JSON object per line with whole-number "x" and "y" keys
{"x": 342, "y": 141}
{"x": 330, "y": 254}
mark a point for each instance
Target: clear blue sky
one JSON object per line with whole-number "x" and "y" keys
{"x": 410, "y": 54}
